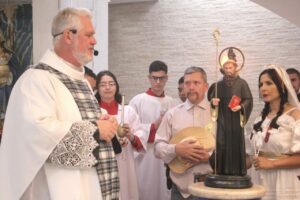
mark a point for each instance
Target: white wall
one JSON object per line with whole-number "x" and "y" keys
{"x": 179, "y": 32}
{"x": 43, "y": 13}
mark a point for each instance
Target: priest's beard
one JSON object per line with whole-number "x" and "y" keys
{"x": 82, "y": 57}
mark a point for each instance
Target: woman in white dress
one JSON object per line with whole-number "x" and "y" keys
{"x": 275, "y": 139}
{"x": 110, "y": 99}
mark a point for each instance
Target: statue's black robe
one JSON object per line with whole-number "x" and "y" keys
{"x": 230, "y": 147}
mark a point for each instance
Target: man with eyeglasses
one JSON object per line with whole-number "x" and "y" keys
{"x": 56, "y": 143}
{"x": 151, "y": 106}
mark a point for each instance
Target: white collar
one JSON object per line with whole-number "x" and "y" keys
{"x": 52, "y": 59}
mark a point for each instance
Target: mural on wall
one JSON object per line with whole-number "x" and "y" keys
{"x": 15, "y": 48}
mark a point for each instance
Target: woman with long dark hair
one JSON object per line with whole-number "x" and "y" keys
{"x": 275, "y": 139}
{"x": 110, "y": 99}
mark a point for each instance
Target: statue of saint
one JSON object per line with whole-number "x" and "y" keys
{"x": 232, "y": 98}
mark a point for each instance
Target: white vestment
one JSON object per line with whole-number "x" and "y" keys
{"x": 40, "y": 113}
{"x": 151, "y": 172}
{"x": 125, "y": 160}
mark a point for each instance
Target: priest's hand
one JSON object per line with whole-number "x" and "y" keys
{"x": 107, "y": 126}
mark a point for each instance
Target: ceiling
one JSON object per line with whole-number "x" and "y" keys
{"x": 288, "y": 9}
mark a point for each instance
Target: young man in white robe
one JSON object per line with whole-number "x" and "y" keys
{"x": 54, "y": 130}
{"x": 151, "y": 106}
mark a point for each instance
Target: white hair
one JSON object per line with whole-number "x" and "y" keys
{"x": 68, "y": 18}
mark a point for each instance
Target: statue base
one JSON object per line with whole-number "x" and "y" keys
{"x": 200, "y": 190}
{"x": 225, "y": 181}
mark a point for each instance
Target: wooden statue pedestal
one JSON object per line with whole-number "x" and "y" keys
{"x": 200, "y": 190}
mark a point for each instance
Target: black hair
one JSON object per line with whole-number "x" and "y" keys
{"x": 283, "y": 93}
{"x": 89, "y": 72}
{"x": 293, "y": 71}
{"x": 118, "y": 96}
{"x": 158, "y": 65}
{"x": 181, "y": 80}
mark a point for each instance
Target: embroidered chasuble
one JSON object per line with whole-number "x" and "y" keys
{"x": 106, "y": 163}
{"x": 50, "y": 147}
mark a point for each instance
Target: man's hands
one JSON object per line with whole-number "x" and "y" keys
{"x": 191, "y": 152}
{"x": 107, "y": 126}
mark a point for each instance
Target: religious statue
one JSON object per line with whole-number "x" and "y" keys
{"x": 232, "y": 99}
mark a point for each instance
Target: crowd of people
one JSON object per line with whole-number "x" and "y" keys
{"x": 69, "y": 135}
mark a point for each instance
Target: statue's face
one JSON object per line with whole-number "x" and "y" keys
{"x": 230, "y": 69}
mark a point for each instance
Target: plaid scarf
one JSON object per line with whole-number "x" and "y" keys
{"x": 107, "y": 168}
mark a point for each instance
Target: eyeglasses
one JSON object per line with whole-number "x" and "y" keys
{"x": 158, "y": 78}
{"x": 74, "y": 31}
{"x": 105, "y": 84}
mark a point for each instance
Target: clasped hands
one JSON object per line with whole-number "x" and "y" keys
{"x": 216, "y": 101}
{"x": 191, "y": 152}
{"x": 107, "y": 126}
